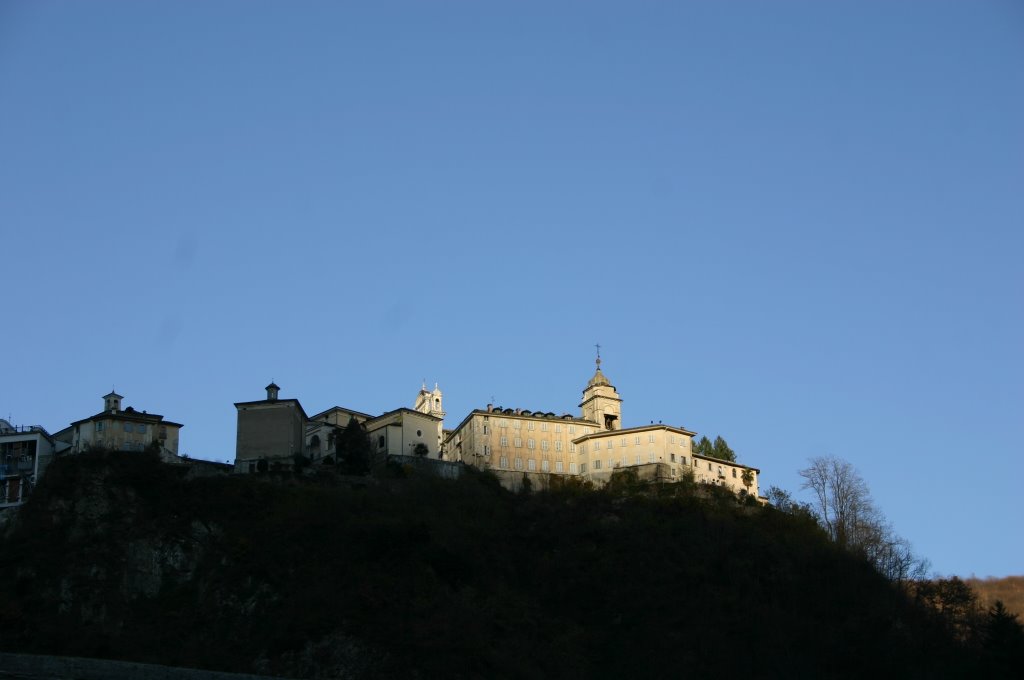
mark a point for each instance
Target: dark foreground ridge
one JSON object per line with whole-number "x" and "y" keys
{"x": 35, "y": 667}
{"x": 118, "y": 556}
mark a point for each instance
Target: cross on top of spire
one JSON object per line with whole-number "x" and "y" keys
{"x": 598, "y": 360}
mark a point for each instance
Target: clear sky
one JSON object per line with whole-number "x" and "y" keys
{"x": 799, "y": 225}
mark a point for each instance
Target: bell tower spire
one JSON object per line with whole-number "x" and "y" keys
{"x": 601, "y": 402}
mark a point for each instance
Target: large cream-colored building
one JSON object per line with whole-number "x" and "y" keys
{"x": 593, "y": 445}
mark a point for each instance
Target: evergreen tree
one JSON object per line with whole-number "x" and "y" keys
{"x": 353, "y": 447}
{"x": 1003, "y": 638}
{"x": 721, "y": 451}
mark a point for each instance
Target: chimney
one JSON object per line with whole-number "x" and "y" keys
{"x": 490, "y": 408}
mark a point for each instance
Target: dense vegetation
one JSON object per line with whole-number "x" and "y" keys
{"x": 1009, "y": 590}
{"x": 120, "y": 556}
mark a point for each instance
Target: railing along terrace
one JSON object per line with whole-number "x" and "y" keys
{"x": 22, "y": 429}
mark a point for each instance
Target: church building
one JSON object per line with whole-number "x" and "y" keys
{"x": 593, "y": 445}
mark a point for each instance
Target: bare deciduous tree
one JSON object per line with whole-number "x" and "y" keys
{"x": 843, "y": 500}
{"x": 845, "y": 510}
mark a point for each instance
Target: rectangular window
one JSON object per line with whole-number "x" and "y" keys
{"x": 99, "y": 427}
{"x": 597, "y": 465}
{"x": 141, "y": 428}
{"x": 611, "y": 444}
{"x": 504, "y": 441}
{"x": 636, "y": 440}
{"x": 638, "y": 459}
{"x": 487, "y": 450}
{"x": 572, "y": 468}
{"x": 519, "y": 463}
{"x": 673, "y": 457}
{"x": 503, "y": 462}
{"x": 558, "y": 445}
{"x": 622, "y": 442}
{"x": 682, "y": 459}
{"x": 572, "y": 447}
{"x": 518, "y": 443}
{"x": 558, "y": 427}
{"x": 559, "y": 467}
{"x": 530, "y": 444}
{"x": 583, "y": 467}
{"x": 531, "y": 465}
{"x": 127, "y": 427}
{"x": 529, "y": 425}
{"x": 544, "y": 445}
{"x": 516, "y": 424}
{"x": 502, "y": 423}
{"x": 485, "y": 429}
{"x": 650, "y": 438}
{"x": 650, "y": 457}
{"x": 545, "y": 466}
{"x": 583, "y": 448}
{"x": 572, "y": 429}
{"x": 543, "y": 427}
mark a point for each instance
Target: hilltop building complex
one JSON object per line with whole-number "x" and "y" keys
{"x": 515, "y": 444}
{"x": 593, "y": 445}
{"x": 273, "y": 431}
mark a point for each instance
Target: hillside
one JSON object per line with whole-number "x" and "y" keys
{"x": 119, "y": 556}
{"x": 1008, "y": 590}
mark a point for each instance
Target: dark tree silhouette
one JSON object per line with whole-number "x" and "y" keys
{"x": 353, "y": 448}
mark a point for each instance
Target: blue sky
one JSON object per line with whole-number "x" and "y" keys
{"x": 798, "y": 225}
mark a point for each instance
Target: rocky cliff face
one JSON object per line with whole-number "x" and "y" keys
{"x": 124, "y": 556}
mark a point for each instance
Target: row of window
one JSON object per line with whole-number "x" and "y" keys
{"x": 545, "y": 445}
{"x": 128, "y": 427}
{"x": 544, "y": 427}
{"x": 531, "y": 465}
{"x": 596, "y": 465}
{"x": 623, "y": 441}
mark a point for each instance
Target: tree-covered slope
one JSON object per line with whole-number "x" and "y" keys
{"x": 120, "y": 556}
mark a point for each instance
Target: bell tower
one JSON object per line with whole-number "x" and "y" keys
{"x": 601, "y": 402}
{"x": 112, "y": 402}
